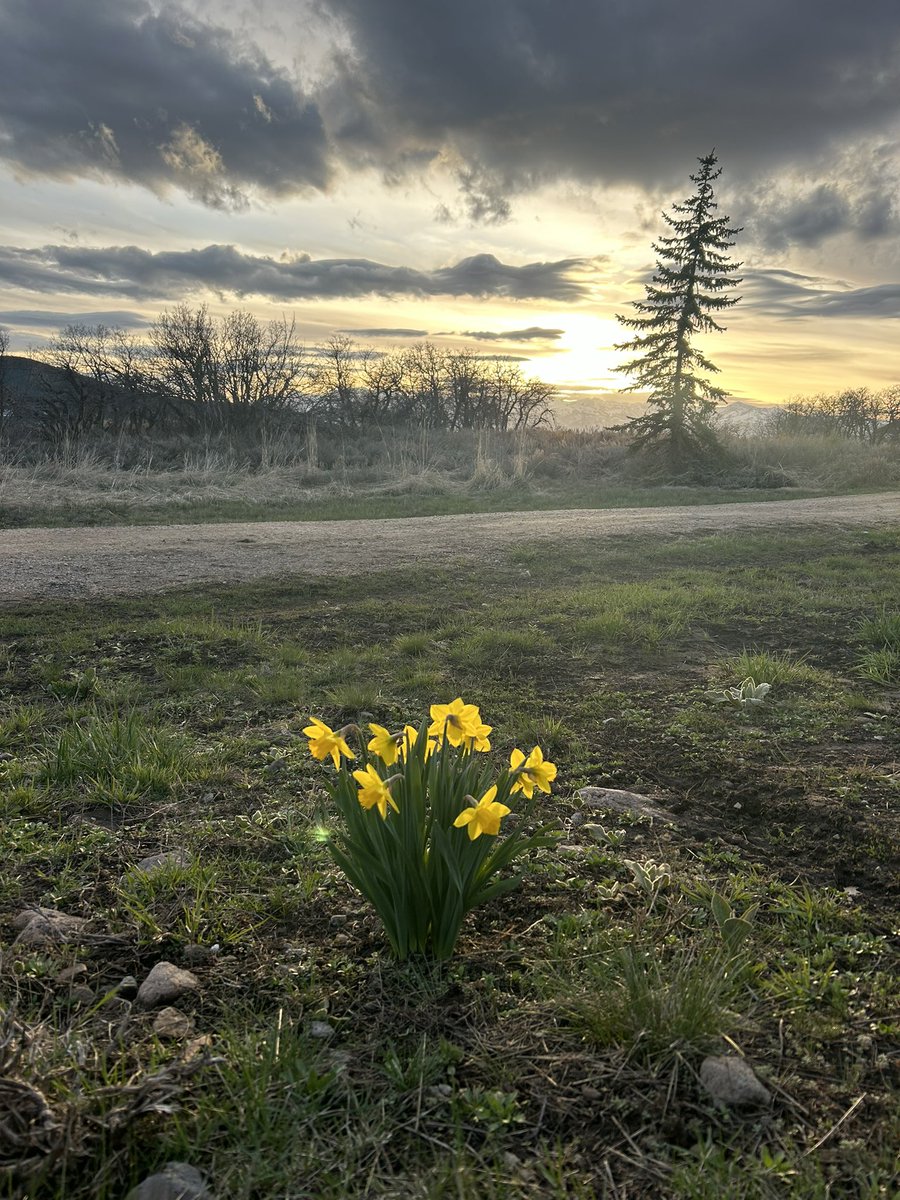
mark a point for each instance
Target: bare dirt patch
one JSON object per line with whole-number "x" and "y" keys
{"x": 82, "y": 562}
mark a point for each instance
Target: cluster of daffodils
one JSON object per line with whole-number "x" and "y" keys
{"x": 421, "y": 875}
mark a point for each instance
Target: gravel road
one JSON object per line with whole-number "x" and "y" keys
{"x": 132, "y": 560}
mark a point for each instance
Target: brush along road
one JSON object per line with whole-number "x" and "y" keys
{"x": 138, "y": 559}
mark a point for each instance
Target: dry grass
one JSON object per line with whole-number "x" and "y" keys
{"x": 218, "y": 478}
{"x": 819, "y": 461}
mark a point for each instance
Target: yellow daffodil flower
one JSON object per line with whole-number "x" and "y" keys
{"x": 374, "y": 791}
{"x": 324, "y": 741}
{"x": 484, "y": 817}
{"x": 479, "y": 741}
{"x": 532, "y": 772}
{"x": 384, "y": 744}
{"x": 410, "y": 737}
{"x": 455, "y": 721}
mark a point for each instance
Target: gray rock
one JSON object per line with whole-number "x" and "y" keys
{"x": 81, "y": 994}
{"x": 321, "y": 1029}
{"x": 127, "y": 988}
{"x": 571, "y": 850}
{"x": 338, "y": 920}
{"x": 172, "y": 1023}
{"x": 176, "y": 1181}
{"x": 160, "y": 862}
{"x": 164, "y": 983}
{"x": 47, "y": 927}
{"x": 731, "y": 1080}
{"x": 115, "y": 1009}
{"x": 632, "y": 804}
{"x": 71, "y": 974}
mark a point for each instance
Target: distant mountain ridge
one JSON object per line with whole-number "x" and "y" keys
{"x": 613, "y": 408}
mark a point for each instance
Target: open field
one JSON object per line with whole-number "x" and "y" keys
{"x": 558, "y": 1053}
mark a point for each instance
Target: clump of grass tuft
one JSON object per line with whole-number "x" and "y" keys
{"x": 188, "y": 903}
{"x": 881, "y": 666}
{"x": 500, "y": 648}
{"x": 269, "y": 1085}
{"x": 352, "y": 698}
{"x": 657, "y": 1004}
{"x": 766, "y": 666}
{"x": 118, "y": 759}
{"x": 413, "y": 644}
{"x": 883, "y": 630}
{"x": 19, "y": 723}
{"x": 552, "y": 734}
{"x": 881, "y": 662}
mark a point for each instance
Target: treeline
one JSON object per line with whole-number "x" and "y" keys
{"x": 193, "y": 372}
{"x": 857, "y": 413}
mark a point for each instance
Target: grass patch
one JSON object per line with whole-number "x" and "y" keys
{"x": 113, "y": 759}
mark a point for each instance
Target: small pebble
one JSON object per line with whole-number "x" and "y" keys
{"x": 70, "y": 974}
{"x": 128, "y": 988}
{"x": 172, "y": 1023}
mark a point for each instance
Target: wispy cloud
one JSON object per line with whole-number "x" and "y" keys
{"x": 44, "y": 318}
{"x": 789, "y": 295}
{"x": 170, "y": 274}
{"x": 534, "y": 333}
{"x": 386, "y": 333}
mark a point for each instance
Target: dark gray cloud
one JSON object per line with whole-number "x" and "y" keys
{"x": 47, "y": 318}
{"x": 522, "y": 91}
{"x": 862, "y": 197}
{"x": 386, "y": 333}
{"x": 532, "y": 334}
{"x": 787, "y": 294}
{"x": 124, "y": 90}
{"x": 170, "y": 274}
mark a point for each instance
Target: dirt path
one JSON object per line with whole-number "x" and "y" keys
{"x": 130, "y": 560}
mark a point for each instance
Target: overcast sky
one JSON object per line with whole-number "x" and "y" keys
{"x": 480, "y": 172}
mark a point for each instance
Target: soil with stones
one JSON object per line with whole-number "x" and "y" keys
{"x": 134, "y": 560}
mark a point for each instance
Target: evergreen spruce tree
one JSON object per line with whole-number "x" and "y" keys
{"x": 692, "y": 277}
